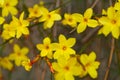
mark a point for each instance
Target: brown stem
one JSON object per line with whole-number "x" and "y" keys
{"x": 95, "y": 2}
{"x": 110, "y": 2}
{"x": 55, "y": 26}
{"x": 90, "y": 34}
{"x": 110, "y": 58}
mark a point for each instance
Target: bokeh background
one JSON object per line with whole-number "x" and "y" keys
{"x": 86, "y": 42}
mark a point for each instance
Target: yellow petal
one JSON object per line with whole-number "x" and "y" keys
{"x": 13, "y": 10}
{"x": 16, "y": 48}
{"x": 57, "y": 17}
{"x": 19, "y": 34}
{"x": 71, "y": 42}
{"x": 92, "y": 56}
{"x": 69, "y": 76}
{"x": 84, "y": 59}
{"x": 25, "y": 31}
{"x": 104, "y": 20}
{"x": 1, "y": 20}
{"x": 62, "y": 39}
{"x": 92, "y": 23}
{"x": 24, "y": 50}
{"x": 5, "y": 12}
{"x": 117, "y": 6}
{"x": 78, "y": 17}
{"x": 88, "y": 13}
{"x": 48, "y": 24}
{"x": 13, "y": 2}
{"x": 95, "y": 64}
{"x": 21, "y": 16}
{"x": 115, "y": 32}
{"x": 40, "y": 46}
{"x": 111, "y": 12}
{"x": 59, "y": 76}
{"x": 81, "y": 27}
{"x": 92, "y": 72}
{"x": 106, "y": 30}
{"x": 43, "y": 53}
{"x": 56, "y": 67}
{"x": 47, "y": 40}
{"x": 104, "y": 12}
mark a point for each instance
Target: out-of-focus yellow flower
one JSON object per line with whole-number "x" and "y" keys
{"x": 64, "y": 47}
{"x": 8, "y": 31}
{"x": 9, "y": 7}
{"x": 2, "y": 2}
{"x": 66, "y": 69}
{"x": 46, "y": 48}
{"x": 19, "y": 55}
{"x": 111, "y": 23}
{"x": 117, "y": 5}
{"x": 35, "y": 11}
{"x": 5, "y": 63}
{"x": 26, "y": 64}
{"x": 21, "y": 25}
{"x": 89, "y": 64}
{"x": 1, "y": 20}
{"x": 87, "y": 21}
{"x": 49, "y": 17}
{"x": 71, "y": 19}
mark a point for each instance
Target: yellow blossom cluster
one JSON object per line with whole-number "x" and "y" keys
{"x": 67, "y": 66}
{"x": 63, "y": 60}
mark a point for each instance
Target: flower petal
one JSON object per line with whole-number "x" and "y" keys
{"x": 92, "y": 23}
{"x": 88, "y": 13}
{"x": 81, "y": 27}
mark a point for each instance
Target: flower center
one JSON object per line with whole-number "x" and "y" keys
{"x": 70, "y": 19}
{"x": 66, "y": 68}
{"x": 49, "y": 16}
{"x": 113, "y": 21}
{"x": 47, "y": 47}
{"x": 7, "y": 4}
{"x": 64, "y": 47}
{"x": 35, "y": 12}
{"x": 85, "y": 20}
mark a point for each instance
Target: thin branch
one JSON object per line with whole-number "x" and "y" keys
{"x": 95, "y": 2}
{"x": 110, "y": 59}
{"x": 110, "y": 2}
{"x": 55, "y": 26}
{"x": 90, "y": 34}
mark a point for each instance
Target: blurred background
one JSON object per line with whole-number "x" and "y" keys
{"x": 86, "y": 42}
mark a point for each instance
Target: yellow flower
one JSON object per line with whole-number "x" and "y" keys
{"x": 71, "y": 19}
{"x": 5, "y": 63}
{"x": 9, "y": 7}
{"x": 111, "y": 23}
{"x": 66, "y": 69}
{"x": 117, "y": 5}
{"x": 8, "y": 31}
{"x": 1, "y": 20}
{"x": 26, "y": 64}
{"x": 21, "y": 25}
{"x": 89, "y": 64}
{"x": 86, "y": 21}
{"x": 46, "y": 48}
{"x": 19, "y": 55}
{"x": 2, "y": 2}
{"x": 49, "y": 17}
{"x": 64, "y": 47}
{"x": 35, "y": 11}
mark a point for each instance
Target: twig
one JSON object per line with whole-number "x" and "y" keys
{"x": 95, "y": 2}
{"x": 110, "y": 58}
{"x": 90, "y": 34}
{"x": 55, "y": 26}
{"x": 110, "y": 2}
